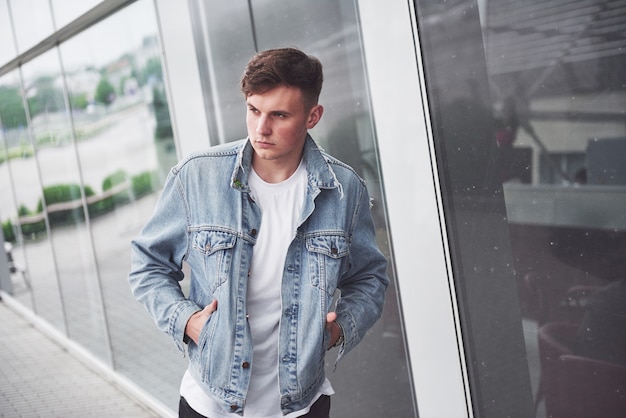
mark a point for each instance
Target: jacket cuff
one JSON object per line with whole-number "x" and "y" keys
{"x": 179, "y": 322}
{"x": 350, "y": 338}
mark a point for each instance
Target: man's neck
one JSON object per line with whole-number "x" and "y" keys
{"x": 272, "y": 172}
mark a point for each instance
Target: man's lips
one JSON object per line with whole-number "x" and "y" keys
{"x": 263, "y": 143}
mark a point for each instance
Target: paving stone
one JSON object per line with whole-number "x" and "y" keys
{"x": 38, "y": 377}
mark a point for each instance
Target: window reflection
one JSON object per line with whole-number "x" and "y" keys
{"x": 61, "y": 203}
{"x": 125, "y": 148}
{"x": 67, "y": 10}
{"x": 12, "y": 111}
{"x": 7, "y": 47}
{"x": 557, "y": 81}
{"x": 528, "y": 159}
{"x": 22, "y": 214}
{"x": 84, "y": 163}
{"x": 30, "y": 28}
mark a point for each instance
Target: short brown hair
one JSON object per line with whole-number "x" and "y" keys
{"x": 283, "y": 67}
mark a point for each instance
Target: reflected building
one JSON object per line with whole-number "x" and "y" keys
{"x": 491, "y": 135}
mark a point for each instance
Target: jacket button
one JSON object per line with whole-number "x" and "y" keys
{"x": 253, "y": 232}
{"x": 245, "y": 365}
{"x": 207, "y": 247}
{"x": 334, "y": 251}
{"x": 233, "y": 407}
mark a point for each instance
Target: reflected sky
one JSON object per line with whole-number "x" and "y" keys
{"x": 125, "y": 30}
{"x": 120, "y": 33}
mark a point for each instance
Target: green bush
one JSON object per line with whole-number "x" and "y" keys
{"x": 114, "y": 179}
{"x": 7, "y": 231}
{"x": 79, "y": 101}
{"x": 100, "y": 207}
{"x": 61, "y": 193}
{"x": 107, "y": 204}
{"x": 105, "y": 93}
{"x": 162, "y": 114}
{"x": 33, "y": 229}
{"x": 12, "y": 108}
{"x": 30, "y": 229}
{"x": 142, "y": 183}
{"x": 23, "y": 211}
{"x": 120, "y": 198}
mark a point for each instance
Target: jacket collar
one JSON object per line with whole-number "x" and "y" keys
{"x": 319, "y": 171}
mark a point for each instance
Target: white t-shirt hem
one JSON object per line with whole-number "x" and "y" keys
{"x": 203, "y": 404}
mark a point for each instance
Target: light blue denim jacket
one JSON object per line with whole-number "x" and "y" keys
{"x": 209, "y": 220}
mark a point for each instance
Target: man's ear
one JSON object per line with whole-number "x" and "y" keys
{"x": 315, "y": 114}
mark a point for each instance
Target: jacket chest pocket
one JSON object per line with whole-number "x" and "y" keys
{"x": 215, "y": 252}
{"x": 329, "y": 260}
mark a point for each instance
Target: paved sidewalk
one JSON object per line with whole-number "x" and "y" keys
{"x": 40, "y": 378}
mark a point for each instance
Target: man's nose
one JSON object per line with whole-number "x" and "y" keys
{"x": 263, "y": 126}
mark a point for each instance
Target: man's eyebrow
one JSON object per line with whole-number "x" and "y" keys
{"x": 282, "y": 112}
{"x": 276, "y": 111}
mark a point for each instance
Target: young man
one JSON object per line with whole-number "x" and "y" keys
{"x": 270, "y": 226}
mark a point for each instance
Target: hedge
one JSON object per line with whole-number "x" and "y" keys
{"x": 140, "y": 185}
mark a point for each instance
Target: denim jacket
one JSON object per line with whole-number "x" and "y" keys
{"x": 209, "y": 220}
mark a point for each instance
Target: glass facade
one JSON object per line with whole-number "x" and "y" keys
{"x": 522, "y": 124}
{"x": 86, "y": 143}
{"x": 100, "y": 141}
{"x": 527, "y": 102}
{"x": 7, "y": 49}
{"x": 29, "y": 27}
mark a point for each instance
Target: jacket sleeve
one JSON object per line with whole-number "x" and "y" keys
{"x": 363, "y": 286}
{"x": 156, "y": 263}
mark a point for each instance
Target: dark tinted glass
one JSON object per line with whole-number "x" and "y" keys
{"x": 528, "y": 104}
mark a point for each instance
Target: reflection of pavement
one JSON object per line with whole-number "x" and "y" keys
{"x": 141, "y": 352}
{"x": 40, "y": 378}
{"x": 371, "y": 381}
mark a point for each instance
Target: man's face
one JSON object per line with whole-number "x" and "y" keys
{"x": 277, "y": 123}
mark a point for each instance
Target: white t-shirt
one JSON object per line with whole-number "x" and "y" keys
{"x": 281, "y": 205}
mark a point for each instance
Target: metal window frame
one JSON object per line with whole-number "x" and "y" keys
{"x": 413, "y": 197}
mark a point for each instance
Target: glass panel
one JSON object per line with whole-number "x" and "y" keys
{"x": 375, "y": 382}
{"x": 223, "y": 35}
{"x": 32, "y": 248}
{"x": 527, "y": 104}
{"x": 31, "y": 28}
{"x": 125, "y": 147}
{"x": 63, "y": 196}
{"x": 11, "y": 109}
{"x": 7, "y": 46}
{"x": 67, "y": 10}
{"x": 556, "y": 70}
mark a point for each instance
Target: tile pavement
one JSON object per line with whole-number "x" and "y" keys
{"x": 41, "y": 378}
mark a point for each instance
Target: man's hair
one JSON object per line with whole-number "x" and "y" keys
{"x": 284, "y": 67}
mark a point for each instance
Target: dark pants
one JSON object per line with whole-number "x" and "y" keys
{"x": 320, "y": 409}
